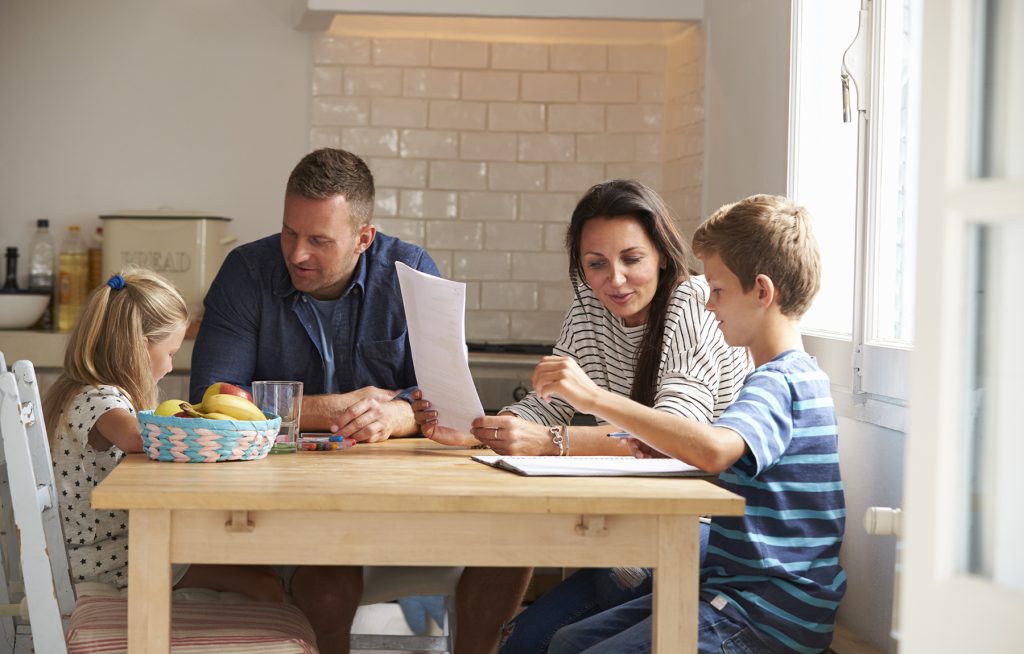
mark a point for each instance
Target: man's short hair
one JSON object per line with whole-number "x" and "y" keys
{"x": 766, "y": 235}
{"x": 326, "y": 173}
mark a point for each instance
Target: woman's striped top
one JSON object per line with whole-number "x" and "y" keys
{"x": 777, "y": 568}
{"x": 699, "y": 376}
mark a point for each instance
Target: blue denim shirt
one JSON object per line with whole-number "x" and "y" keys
{"x": 256, "y": 325}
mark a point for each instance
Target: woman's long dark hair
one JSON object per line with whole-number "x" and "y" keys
{"x": 627, "y": 197}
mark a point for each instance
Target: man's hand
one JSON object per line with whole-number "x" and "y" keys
{"x": 370, "y": 420}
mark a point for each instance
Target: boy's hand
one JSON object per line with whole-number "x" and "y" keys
{"x": 642, "y": 450}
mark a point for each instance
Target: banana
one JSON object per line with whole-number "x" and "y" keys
{"x": 168, "y": 407}
{"x": 217, "y": 416}
{"x": 238, "y": 408}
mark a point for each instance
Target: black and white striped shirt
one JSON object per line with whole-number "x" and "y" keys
{"x": 700, "y": 374}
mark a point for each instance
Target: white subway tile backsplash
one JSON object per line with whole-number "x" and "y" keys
{"x": 515, "y": 177}
{"x": 513, "y": 236}
{"x": 608, "y": 87}
{"x": 549, "y": 207}
{"x": 324, "y": 137}
{"x": 334, "y": 110}
{"x": 556, "y": 297}
{"x": 605, "y": 147}
{"x": 576, "y": 177}
{"x": 428, "y": 204}
{"x": 635, "y": 118}
{"x": 519, "y": 56}
{"x": 373, "y": 82}
{"x": 430, "y": 83}
{"x": 458, "y": 175}
{"x": 488, "y": 146}
{"x": 490, "y": 85}
{"x": 398, "y": 112}
{"x": 579, "y": 57}
{"x": 536, "y": 326}
{"x": 547, "y": 147}
{"x": 398, "y": 172}
{"x": 455, "y": 235}
{"x": 554, "y": 236}
{"x": 341, "y": 50}
{"x": 327, "y": 80}
{"x": 385, "y": 202}
{"x": 401, "y": 52}
{"x": 550, "y": 87}
{"x": 370, "y": 141}
{"x": 487, "y": 326}
{"x": 481, "y": 149}
{"x": 487, "y": 205}
{"x": 455, "y": 114}
{"x": 576, "y": 118}
{"x": 509, "y": 296}
{"x": 636, "y": 58}
{"x": 515, "y": 117}
{"x": 429, "y": 144}
{"x": 458, "y": 54}
{"x": 407, "y": 230}
{"x": 481, "y": 265}
{"x": 539, "y": 266}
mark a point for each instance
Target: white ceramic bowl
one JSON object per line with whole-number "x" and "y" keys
{"x": 21, "y": 310}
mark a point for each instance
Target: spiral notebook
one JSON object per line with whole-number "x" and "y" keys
{"x": 592, "y": 466}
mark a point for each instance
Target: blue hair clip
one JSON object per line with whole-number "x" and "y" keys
{"x": 116, "y": 282}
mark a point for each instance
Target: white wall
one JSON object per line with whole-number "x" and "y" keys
{"x": 113, "y": 104}
{"x": 746, "y": 99}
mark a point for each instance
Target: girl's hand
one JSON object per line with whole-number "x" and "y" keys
{"x": 511, "y": 435}
{"x": 564, "y": 376}
{"x": 426, "y": 418}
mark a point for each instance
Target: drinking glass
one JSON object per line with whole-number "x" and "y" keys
{"x": 283, "y": 398}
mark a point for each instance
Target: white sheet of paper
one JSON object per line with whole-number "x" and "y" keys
{"x": 435, "y": 311}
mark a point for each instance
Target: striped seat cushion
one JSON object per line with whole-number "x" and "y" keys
{"x": 99, "y": 624}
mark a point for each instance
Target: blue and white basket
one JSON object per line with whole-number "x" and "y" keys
{"x": 202, "y": 440}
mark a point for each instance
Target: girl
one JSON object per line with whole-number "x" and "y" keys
{"x": 122, "y": 346}
{"x": 637, "y": 327}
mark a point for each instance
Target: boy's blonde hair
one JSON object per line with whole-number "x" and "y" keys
{"x": 766, "y": 235}
{"x": 109, "y": 343}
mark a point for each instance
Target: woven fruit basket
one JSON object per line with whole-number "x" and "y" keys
{"x": 201, "y": 440}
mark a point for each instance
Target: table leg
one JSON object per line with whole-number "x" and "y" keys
{"x": 676, "y": 585}
{"x": 149, "y": 581}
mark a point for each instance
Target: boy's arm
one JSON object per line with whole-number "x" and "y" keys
{"x": 712, "y": 449}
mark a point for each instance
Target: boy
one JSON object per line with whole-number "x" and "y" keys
{"x": 771, "y": 580}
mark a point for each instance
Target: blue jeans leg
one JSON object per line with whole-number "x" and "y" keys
{"x": 585, "y": 593}
{"x": 627, "y": 629}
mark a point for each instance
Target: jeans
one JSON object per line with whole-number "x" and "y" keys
{"x": 586, "y": 593}
{"x": 626, "y": 629}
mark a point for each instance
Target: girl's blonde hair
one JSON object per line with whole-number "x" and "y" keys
{"x": 109, "y": 344}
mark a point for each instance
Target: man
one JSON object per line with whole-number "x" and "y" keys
{"x": 320, "y": 303}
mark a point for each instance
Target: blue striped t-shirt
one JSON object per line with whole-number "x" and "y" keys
{"x": 777, "y": 568}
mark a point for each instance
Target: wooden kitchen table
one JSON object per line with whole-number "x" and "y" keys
{"x": 404, "y": 502}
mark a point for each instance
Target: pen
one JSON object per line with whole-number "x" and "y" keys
{"x": 620, "y": 434}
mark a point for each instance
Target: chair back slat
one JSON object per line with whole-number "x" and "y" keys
{"x": 8, "y": 550}
{"x": 46, "y": 486}
{"x": 47, "y": 625}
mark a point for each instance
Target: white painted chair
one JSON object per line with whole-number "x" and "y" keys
{"x": 52, "y": 606}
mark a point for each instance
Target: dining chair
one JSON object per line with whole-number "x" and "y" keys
{"x": 61, "y": 623}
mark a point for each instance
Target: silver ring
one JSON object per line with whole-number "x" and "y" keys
{"x": 494, "y": 437}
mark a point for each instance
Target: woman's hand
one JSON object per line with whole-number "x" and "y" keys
{"x": 511, "y": 435}
{"x": 426, "y": 418}
{"x": 564, "y": 376}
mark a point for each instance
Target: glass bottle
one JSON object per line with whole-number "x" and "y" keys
{"x": 41, "y": 260}
{"x": 11, "y": 281}
{"x": 96, "y": 259}
{"x": 74, "y": 270}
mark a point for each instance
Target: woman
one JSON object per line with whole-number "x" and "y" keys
{"x": 637, "y": 327}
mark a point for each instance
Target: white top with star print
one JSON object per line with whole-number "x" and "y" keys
{"x": 97, "y": 541}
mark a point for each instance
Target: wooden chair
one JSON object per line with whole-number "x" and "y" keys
{"x": 52, "y": 606}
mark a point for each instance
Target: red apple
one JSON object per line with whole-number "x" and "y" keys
{"x": 182, "y": 414}
{"x": 227, "y": 389}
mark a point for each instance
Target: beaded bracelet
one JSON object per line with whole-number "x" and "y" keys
{"x": 559, "y": 440}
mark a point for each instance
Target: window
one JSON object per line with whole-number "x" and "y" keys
{"x": 859, "y": 180}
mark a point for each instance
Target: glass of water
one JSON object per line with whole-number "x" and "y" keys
{"x": 283, "y": 398}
